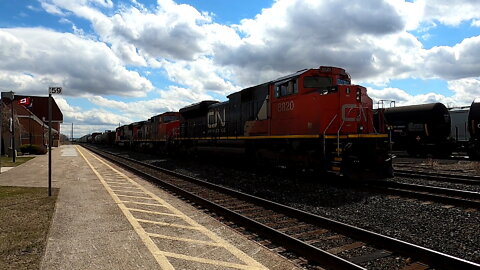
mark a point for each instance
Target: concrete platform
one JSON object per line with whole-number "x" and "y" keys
{"x": 107, "y": 218}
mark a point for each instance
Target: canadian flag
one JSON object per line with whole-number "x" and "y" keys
{"x": 25, "y": 101}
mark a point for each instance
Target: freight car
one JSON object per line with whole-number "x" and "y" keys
{"x": 474, "y": 129}
{"x": 313, "y": 118}
{"x": 106, "y": 138}
{"x": 420, "y": 129}
{"x": 432, "y": 129}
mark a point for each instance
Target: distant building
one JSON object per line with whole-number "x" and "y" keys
{"x": 32, "y": 114}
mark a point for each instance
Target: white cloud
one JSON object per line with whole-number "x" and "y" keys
{"x": 450, "y": 12}
{"x": 371, "y": 39}
{"x": 35, "y": 57}
{"x": 457, "y": 62}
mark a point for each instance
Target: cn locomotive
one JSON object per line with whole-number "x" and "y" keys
{"x": 312, "y": 119}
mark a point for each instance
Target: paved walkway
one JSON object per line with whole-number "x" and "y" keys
{"x": 107, "y": 218}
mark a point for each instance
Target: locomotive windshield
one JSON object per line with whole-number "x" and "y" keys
{"x": 317, "y": 82}
{"x": 169, "y": 118}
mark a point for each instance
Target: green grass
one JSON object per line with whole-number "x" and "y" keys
{"x": 7, "y": 161}
{"x": 25, "y": 217}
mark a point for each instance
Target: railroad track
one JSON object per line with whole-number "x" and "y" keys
{"x": 447, "y": 196}
{"x": 296, "y": 231}
{"x": 443, "y": 177}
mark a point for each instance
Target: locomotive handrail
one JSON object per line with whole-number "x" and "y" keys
{"x": 325, "y": 132}
{"x": 338, "y": 133}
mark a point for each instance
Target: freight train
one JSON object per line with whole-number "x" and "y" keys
{"x": 311, "y": 119}
{"x": 434, "y": 129}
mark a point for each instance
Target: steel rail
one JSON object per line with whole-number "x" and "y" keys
{"x": 444, "y": 177}
{"x": 443, "y": 195}
{"x": 431, "y": 257}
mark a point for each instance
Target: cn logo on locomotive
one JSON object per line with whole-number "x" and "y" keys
{"x": 216, "y": 118}
{"x": 347, "y": 109}
{"x": 286, "y": 106}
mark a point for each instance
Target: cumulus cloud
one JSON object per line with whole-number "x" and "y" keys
{"x": 373, "y": 40}
{"x": 459, "y": 61}
{"x": 36, "y": 58}
{"x": 450, "y": 12}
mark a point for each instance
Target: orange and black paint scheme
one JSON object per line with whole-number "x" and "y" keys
{"x": 312, "y": 119}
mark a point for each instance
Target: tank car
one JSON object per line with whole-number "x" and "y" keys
{"x": 420, "y": 129}
{"x": 314, "y": 118}
{"x": 474, "y": 129}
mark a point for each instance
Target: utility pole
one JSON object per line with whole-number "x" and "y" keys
{"x": 71, "y": 137}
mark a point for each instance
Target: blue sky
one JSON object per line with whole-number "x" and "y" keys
{"x": 125, "y": 61}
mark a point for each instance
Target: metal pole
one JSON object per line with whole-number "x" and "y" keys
{"x": 49, "y": 144}
{"x": 71, "y": 137}
{"x": 1, "y": 130}
{"x": 13, "y": 134}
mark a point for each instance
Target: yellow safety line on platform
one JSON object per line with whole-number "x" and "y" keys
{"x": 250, "y": 263}
{"x": 126, "y": 191}
{"x": 156, "y": 235}
{"x": 142, "y": 203}
{"x": 169, "y": 224}
{"x": 209, "y": 261}
{"x": 152, "y": 212}
{"x": 152, "y": 247}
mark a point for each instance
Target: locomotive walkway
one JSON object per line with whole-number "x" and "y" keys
{"x": 107, "y": 218}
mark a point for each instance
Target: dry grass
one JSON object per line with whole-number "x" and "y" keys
{"x": 25, "y": 218}
{"x": 7, "y": 161}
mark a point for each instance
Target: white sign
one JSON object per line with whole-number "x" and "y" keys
{"x": 55, "y": 90}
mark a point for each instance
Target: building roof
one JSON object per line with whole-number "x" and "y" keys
{"x": 39, "y": 107}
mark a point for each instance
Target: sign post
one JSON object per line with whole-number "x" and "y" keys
{"x": 51, "y": 90}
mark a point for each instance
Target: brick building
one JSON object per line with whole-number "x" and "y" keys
{"x": 32, "y": 121}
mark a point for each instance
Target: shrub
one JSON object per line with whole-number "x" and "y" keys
{"x": 33, "y": 149}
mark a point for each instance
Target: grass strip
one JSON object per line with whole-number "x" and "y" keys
{"x": 25, "y": 217}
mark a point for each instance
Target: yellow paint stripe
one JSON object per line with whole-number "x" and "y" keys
{"x": 185, "y": 240}
{"x": 153, "y": 212}
{"x": 232, "y": 249}
{"x": 315, "y": 136}
{"x": 152, "y": 247}
{"x": 118, "y": 183}
{"x": 138, "y": 197}
{"x": 143, "y": 203}
{"x": 169, "y": 224}
{"x": 208, "y": 261}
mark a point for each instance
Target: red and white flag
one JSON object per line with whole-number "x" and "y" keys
{"x": 25, "y": 101}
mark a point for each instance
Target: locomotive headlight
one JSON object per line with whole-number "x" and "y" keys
{"x": 359, "y": 94}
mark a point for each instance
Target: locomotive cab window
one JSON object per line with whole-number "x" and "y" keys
{"x": 286, "y": 88}
{"x": 317, "y": 82}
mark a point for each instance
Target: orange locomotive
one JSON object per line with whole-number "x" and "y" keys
{"x": 313, "y": 119}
